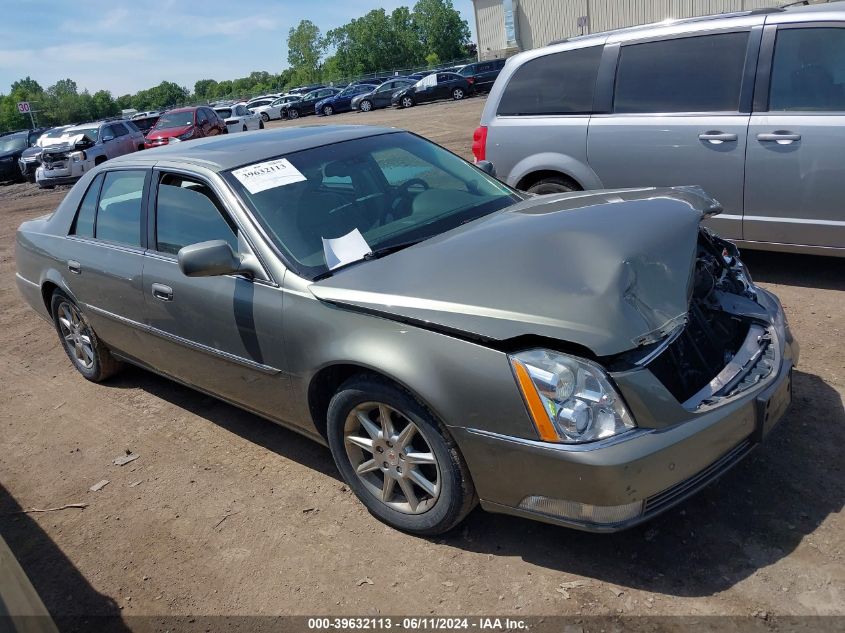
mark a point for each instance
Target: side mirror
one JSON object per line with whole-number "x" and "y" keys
{"x": 107, "y": 138}
{"x": 487, "y": 167}
{"x": 209, "y": 259}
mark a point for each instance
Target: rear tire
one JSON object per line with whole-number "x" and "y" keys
{"x": 458, "y": 94}
{"x": 261, "y": 125}
{"x": 244, "y": 129}
{"x": 86, "y": 352}
{"x": 431, "y": 490}
{"x": 553, "y": 184}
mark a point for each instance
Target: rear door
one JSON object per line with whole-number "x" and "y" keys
{"x": 105, "y": 258}
{"x": 679, "y": 115}
{"x": 113, "y": 144}
{"x": 794, "y": 184}
{"x": 222, "y": 334}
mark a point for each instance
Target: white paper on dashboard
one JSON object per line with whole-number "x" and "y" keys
{"x": 345, "y": 249}
{"x": 268, "y": 175}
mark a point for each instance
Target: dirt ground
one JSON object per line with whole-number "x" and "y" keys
{"x": 225, "y": 513}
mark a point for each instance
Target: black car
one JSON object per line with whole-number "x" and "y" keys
{"x": 441, "y": 85}
{"x": 305, "y": 106}
{"x": 481, "y": 75}
{"x": 11, "y": 147}
{"x": 381, "y": 96}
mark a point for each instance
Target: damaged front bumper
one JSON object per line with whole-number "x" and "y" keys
{"x": 679, "y": 447}
{"x": 62, "y": 170}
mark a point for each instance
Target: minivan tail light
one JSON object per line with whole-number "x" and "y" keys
{"x": 479, "y": 143}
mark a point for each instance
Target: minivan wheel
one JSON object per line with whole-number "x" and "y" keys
{"x": 87, "y": 353}
{"x": 458, "y": 94}
{"x": 552, "y": 184}
{"x": 407, "y": 102}
{"x": 396, "y": 457}
{"x": 366, "y": 106}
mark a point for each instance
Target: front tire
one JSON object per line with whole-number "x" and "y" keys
{"x": 406, "y": 102}
{"x": 328, "y": 110}
{"x": 86, "y": 352}
{"x": 261, "y": 125}
{"x": 458, "y": 94}
{"x": 293, "y": 114}
{"x": 397, "y": 458}
{"x": 366, "y": 105}
{"x": 265, "y": 117}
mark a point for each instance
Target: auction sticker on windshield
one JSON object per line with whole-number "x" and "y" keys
{"x": 268, "y": 175}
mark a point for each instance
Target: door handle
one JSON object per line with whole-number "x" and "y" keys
{"x": 783, "y": 137}
{"x": 162, "y": 292}
{"x": 717, "y": 137}
{"x": 74, "y": 267}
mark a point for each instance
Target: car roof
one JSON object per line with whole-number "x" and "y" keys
{"x": 228, "y": 151}
{"x": 185, "y": 109}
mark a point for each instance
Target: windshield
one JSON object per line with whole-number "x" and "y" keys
{"x": 175, "y": 119}
{"x": 393, "y": 188}
{"x": 224, "y": 112}
{"x": 55, "y": 133}
{"x": 91, "y": 132}
{"x": 12, "y": 142}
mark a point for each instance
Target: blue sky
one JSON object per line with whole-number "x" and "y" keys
{"x": 125, "y": 46}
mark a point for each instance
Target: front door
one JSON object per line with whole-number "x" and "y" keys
{"x": 676, "y": 120}
{"x": 794, "y": 180}
{"x": 221, "y": 334}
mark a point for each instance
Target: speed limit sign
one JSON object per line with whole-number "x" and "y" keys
{"x": 23, "y": 107}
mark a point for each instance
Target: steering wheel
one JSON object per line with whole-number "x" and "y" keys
{"x": 401, "y": 206}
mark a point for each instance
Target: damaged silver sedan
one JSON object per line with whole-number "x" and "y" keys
{"x": 587, "y": 359}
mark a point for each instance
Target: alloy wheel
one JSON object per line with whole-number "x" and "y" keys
{"x": 392, "y": 458}
{"x": 76, "y": 335}
{"x": 366, "y": 106}
{"x": 293, "y": 114}
{"x": 407, "y": 102}
{"x": 328, "y": 110}
{"x": 458, "y": 94}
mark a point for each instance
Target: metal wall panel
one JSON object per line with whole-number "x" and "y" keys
{"x": 490, "y": 22}
{"x": 542, "y": 21}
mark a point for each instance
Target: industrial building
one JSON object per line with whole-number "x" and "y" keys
{"x": 506, "y": 27}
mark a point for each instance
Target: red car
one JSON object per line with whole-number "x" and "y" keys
{"x": 184, "y": 124}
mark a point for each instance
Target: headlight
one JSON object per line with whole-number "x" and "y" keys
{"x": 77, "y": 157}
{"x": 571, "y": 400}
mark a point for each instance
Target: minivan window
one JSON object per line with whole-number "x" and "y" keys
{"x": 808, "y": 71}
{"x": 119, "y": 210}
{"x": 187, "y": 213}
{"x": 689, "y": 74}
{"x": 560, "y": 83}
{"x": 83, "y": 225}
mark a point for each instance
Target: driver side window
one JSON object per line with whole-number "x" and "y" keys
{"x": 188, "y": 212}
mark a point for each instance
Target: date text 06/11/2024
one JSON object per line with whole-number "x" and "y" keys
{"x": 416, "y": 624}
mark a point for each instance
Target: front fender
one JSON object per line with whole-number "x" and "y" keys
{"x": 463, "y": 383}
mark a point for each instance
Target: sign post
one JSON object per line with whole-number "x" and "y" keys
{"x": 24, "y": 108}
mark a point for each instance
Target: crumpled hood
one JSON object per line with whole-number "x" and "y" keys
{"x": 609, "y": 270}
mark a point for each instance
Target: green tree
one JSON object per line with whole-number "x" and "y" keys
{"x": 104, "y": 105}
{"x": 305, "y": 48}
{"x": 441, "y": 28}
{"x": 205, "y": 88}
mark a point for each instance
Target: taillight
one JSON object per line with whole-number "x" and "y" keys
{"x": 470, "y": 80}
{"x": 479, "y": 143}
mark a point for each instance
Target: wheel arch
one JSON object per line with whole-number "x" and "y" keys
{"x": 538, "y": 166}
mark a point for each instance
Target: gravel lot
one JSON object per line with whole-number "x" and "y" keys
{"x": 234, "y": 515}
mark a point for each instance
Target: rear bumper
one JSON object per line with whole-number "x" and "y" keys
{"x": 617, "y": 483}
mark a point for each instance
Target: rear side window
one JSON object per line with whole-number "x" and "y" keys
{"x": 187, "y": 213}
{"x": 83, "y": 225}
{"x": 808, "y": 72}
{"x": 560, "y": 83}
{"x": 690, "y": 74}
{"x": 119, "y": 210}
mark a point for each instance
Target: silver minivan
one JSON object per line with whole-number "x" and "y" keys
{"x": 750, "y": 106}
